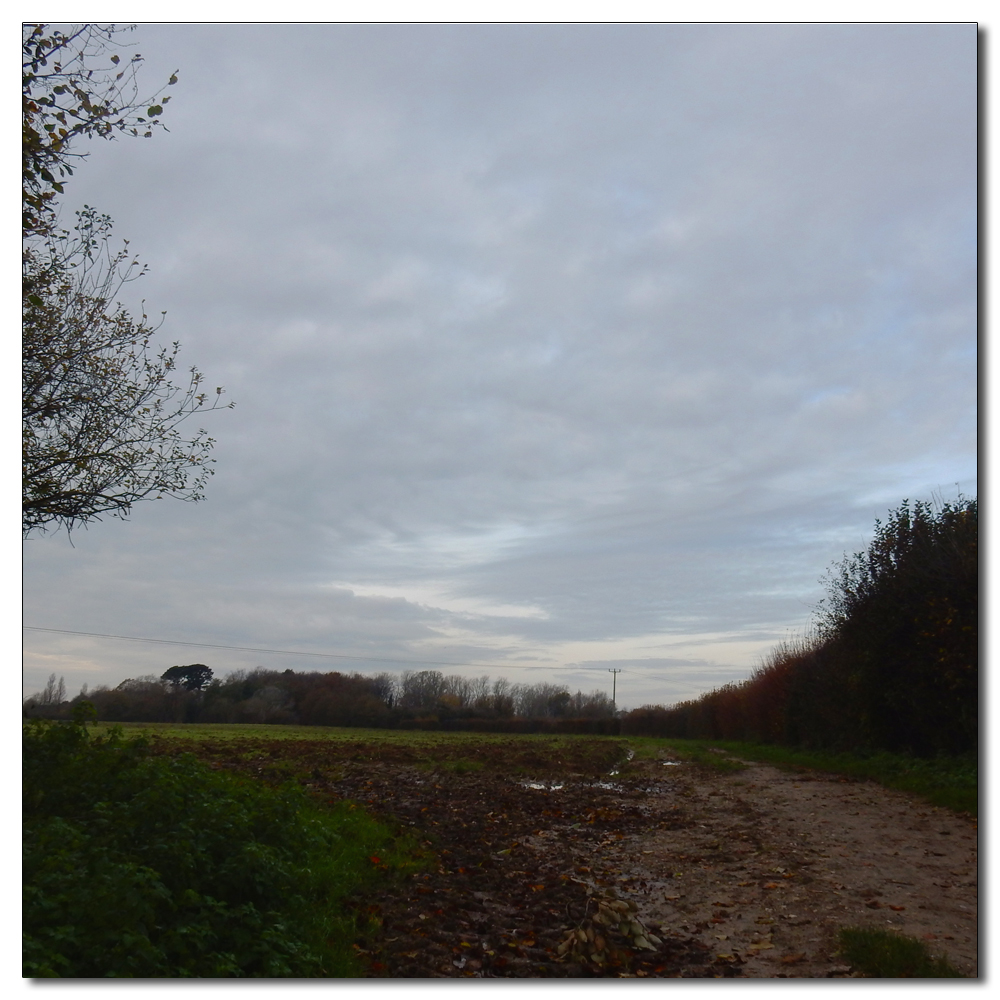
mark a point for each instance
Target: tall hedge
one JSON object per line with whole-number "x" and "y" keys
{"x": 893, "y": 663}
{"x": 902, "y": 621}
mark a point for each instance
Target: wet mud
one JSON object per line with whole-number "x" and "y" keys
{"x": 569, "y": 859}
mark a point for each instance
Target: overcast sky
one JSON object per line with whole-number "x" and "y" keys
{"x": 554, "y": 348}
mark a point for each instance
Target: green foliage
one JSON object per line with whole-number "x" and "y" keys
{"x": 73, "y": 84}
{"x": 902, "y": 623}
{"x": 887, "y": 955}
{"x": 144, "y": 866}
{"x": 193, "y": 677}
{"x": 84, "y": 712}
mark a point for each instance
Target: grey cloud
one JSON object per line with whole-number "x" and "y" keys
{"x": 638, "y": 325}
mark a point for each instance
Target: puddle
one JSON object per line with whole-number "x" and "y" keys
{"x": 608, "y": 786}
{"x": 672, "y": 763}
{"x": 615, "y": 771}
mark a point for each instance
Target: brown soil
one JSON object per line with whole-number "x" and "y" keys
{"x": 547, "y": 865}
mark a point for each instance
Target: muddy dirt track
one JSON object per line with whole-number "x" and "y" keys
{"x": 569, "y": 860}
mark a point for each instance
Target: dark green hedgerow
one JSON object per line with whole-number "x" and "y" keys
{"x": 892, "y": 664}
{"x": 153, "y": 867}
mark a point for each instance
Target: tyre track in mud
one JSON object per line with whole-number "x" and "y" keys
{"x": 772, "y": 863}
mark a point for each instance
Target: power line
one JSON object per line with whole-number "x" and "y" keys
{"x": 256, "y": 649}
{"x": 299, "y": 652}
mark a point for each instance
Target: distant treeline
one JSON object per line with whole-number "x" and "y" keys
{"x": 892, "y": 663}
{"x": 414, "y": 699}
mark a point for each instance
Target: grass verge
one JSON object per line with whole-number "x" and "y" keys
{"x": 702, "y": 752}
{"x": 882, "y": 954}
{"x": 141, "y": 866}
{"x": 951, "y": 782}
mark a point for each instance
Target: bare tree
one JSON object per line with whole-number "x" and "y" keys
{"x": 54, "y": 692}
{"x": 421, "y": 689}
{"x": 385, "y": 687}
{"x": 479, "y": 692}
{"x": 101, "y": 413}
{"x": 100, "y": 410}
{"x": 502, "y": 697}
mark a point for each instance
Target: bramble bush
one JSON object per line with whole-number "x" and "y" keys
{"x": 144, "y": 866}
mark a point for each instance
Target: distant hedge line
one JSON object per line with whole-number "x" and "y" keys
{"x": 425, "y": 699}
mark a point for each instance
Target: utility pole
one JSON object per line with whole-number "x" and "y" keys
{"x": 614, "y": 671}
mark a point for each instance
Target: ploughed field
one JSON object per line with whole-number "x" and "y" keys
{"x": 576, "y": 857}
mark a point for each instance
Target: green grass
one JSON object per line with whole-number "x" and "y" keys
{"x": 951, "y": 782}
{"x": 404, "y": 737}
{"x": 453, "y": 752}
{"x": 145, "y": 866}
{"x": 462, "y": 766}
{"x": 701, "y": 752}
{"x": 883, "y": 954}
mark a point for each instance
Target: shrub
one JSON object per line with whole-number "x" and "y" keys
{"x": 883, "y": 954}
{"x": 154, "y": 867}
{"x": 903, "y": 619}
